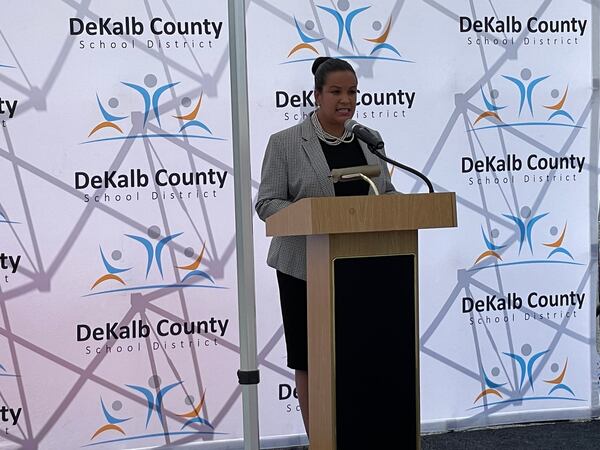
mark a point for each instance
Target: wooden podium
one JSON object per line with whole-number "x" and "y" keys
{"x": 362, "y": 269}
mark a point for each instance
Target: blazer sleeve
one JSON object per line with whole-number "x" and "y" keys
{"x": 273, "y": 189}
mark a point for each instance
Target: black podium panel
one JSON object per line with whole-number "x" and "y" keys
{"x": 375, "y": 330}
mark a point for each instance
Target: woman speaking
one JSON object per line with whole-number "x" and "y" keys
{"x": 297, "y": 164}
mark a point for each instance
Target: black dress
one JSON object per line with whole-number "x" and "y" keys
{"x": 292, "y": 290}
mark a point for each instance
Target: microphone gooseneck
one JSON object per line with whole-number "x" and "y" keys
{"x": 374, "y": 143}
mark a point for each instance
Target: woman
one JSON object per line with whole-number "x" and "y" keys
{"x": 297, "y": 164}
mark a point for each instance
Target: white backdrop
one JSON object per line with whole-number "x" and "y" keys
{"x": 148, "y": 254}
{"x": 506, "y": 309}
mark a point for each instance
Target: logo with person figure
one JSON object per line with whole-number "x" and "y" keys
{"x": 337, "y": 25}
{"x": 188, "y": 123}
{"x": 524, "y": 376}
{"x": 536, "y": 238}
{"x": 541, "y": 102}
{"x": 187, "y": 418}
{"x": 151, "y": 248}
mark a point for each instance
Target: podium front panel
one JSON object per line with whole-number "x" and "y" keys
{"x": 365, "y": 287}
{"x": 374, "y": 323}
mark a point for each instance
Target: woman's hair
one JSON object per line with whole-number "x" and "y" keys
{"x": 324, "y": 65}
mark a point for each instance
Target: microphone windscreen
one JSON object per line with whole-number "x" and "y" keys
{"x": 350, "y": 124}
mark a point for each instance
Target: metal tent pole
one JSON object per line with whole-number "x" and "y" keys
{"x": 248, "y": 374}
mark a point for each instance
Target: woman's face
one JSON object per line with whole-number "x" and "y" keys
{"x": 337, "y": 100}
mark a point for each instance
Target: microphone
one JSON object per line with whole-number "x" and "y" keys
{"x": 375, "y": 144}
{"x": 363, "y": 133}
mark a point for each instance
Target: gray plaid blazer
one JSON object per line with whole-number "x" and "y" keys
{"x": 294, "y": 167}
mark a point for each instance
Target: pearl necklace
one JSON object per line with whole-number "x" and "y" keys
{"x": 324, "y": 136}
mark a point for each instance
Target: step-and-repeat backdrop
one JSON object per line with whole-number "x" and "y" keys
{"x": 118, "y": 303}
{"x": 118, "y": 290}
{"x": 492, "y": 101}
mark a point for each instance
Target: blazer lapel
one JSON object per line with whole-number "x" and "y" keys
{"x": 370, "y": 157}
{"x": 312, "y": 147}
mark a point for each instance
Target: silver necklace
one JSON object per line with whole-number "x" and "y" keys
{"x": 330, "y": 139}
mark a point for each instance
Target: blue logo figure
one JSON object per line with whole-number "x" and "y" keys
{"x": 306, "y": 39}
{"x": 111, "y": 270}
{"x": 154, "y": 403}
{"x": 526, "y": 366}
{"x": 558, "y": 107}
{"x": 344, "y": 24}
{"x": 190, "y": 118}
{"x": 109, "y": 119}
{"x": 194, "y": 415}
{"x": 491, "y": 248}
{"x": 526, "y": 92}
{"x": 557, "y": 245}
{"x": 558, "y": 381}
{"x": 491, "y": 109}
{"x": 150, "y": 81}
{"x": 112, "y": 420}
{"x": 154, "y": 252}
{"x": 525, "y": 226}
{"x": 380, "y": 42}
{"x": 193, "y": 267}
{"x": 491, "y": 388}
